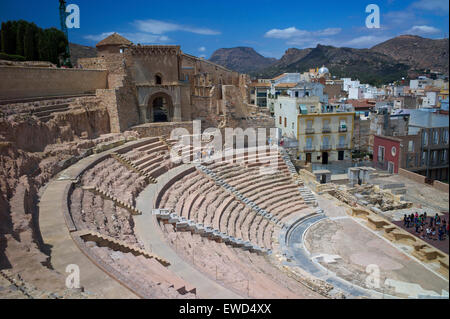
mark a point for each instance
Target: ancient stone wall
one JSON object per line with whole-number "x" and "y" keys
{"x": 412, "y": 176}
{"x": 159, "y": 129}
{"x": 26, "y": 82}
{"x": 147, "y": 62}
{"x": 443, "y": 187}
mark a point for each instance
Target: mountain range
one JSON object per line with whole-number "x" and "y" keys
{"x": 402, "y": 56}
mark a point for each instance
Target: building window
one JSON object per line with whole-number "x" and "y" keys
{"x": 285, "y": 122}
{"x": 444, "y": 156}
{"x": 342, "y": 141}
{"x": 292, "y": 125}
{"x": 424, "y": 158}
{"x": 326, "y": 141}
{"x": 380, "y": 153}
{"x": 425, "y": 138}
{"x": 411, "y": 146}
{"x": 158, "y": 79}
{"x": 280, "y": 120}
{"x": 445, "y": 136}
{"x": 309, "y": 124}
{"x": 434, "y": 157}
{"x": 435, "y": 137}
{"x": 342, "y": 126}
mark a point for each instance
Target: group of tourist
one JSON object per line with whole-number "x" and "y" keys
{"x": 203, "y": 154}
{"x": 427, "y": 227}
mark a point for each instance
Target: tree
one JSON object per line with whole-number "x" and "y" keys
{"x": 20, "y": 35}
{"x": 27, "y": 39}
{"x": 28, "y": 43}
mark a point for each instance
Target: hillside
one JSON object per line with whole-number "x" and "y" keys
{"x": 398, "y": 57}
{"x": 291, "y": 56}
{"x": 368, "y": 66}
{"x": 241, "y": 59}
{"x": 417, "y": 52}
{"x": 78, "y": 51}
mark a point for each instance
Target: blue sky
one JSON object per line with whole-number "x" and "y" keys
{"x": 270, "y": 27}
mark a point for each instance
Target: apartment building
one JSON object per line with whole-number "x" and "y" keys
{"x": 325, "y": 135}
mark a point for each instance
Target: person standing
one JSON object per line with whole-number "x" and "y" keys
{"x": 447, "y": 227}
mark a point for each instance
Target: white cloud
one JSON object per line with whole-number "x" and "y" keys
{"x": 398, "y": 18}
{"x": 161, "y": 27}
{"x": 135, "y": 37}
{"x": 328, "y": 31}
{"x": 98, "y": 37}
{"x": 293, "y": 32}
{"x": 285, "y": 33}
{"x": 423, "y": 29}
{"x": 432, "y": 5}
{"x": 202, "y": 49}
{"x": 365, "y": 41}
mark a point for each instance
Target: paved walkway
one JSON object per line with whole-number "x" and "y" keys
{"x": 63, "y": 250}
{"x": 151, "y": 236}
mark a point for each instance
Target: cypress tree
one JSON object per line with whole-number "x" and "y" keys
{"x": 34, "y": 43}
{"x": 20, "y": 37}
{"x": 28, "y": 43}
{"x": 3, "y": 38}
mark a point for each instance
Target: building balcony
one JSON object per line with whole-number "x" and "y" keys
{"x": 341, "y": 146}
{"x": 326, "y": 130}
{"x": 342, "y": 129}
{"x": 325, "y": 147}
{"x": 308, "y": 148}
{"x": 309, "y": 131}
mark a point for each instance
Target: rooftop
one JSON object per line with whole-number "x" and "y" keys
{"x": 114, "y": 39}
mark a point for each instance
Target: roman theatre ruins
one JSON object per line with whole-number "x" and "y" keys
{"x": 88, "y": 187}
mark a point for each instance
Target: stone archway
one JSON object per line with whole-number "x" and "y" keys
{"x": 160, "y": 108}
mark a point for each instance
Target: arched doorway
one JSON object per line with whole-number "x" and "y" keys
{"x": 160, "y": 108}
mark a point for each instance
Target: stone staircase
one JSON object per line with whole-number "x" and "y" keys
{"x": 131, "y": 166}
{"x": 294, "y": 174}
{"x": 117, "y": 245}
{"x": 164, "y": 140}
{"x": 308, "y": 196}
{"x": 220, "y": 182}
{"x": 22, "y": 291}
{"x": 109, "y": 196}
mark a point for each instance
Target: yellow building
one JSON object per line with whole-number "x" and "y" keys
{"x": 325, "y": 137}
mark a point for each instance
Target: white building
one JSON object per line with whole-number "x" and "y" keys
{"x": 348, "y": 83}
{"x": 355, "y": 93}
{"x": 420, "y": 83}
{"x": 430, "y": 99}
